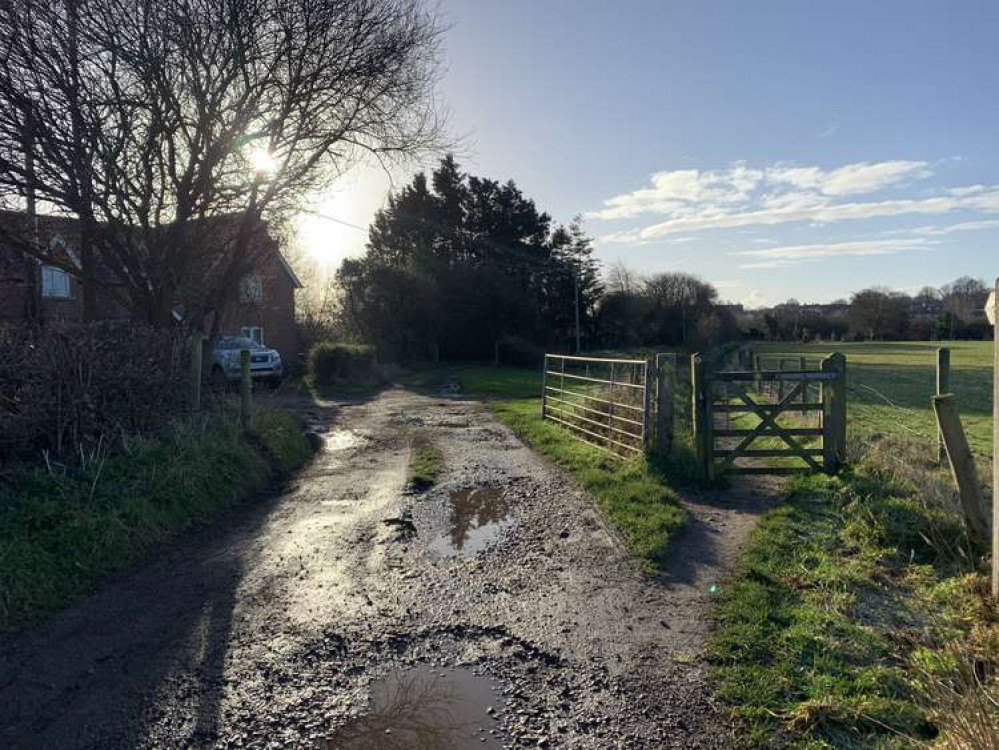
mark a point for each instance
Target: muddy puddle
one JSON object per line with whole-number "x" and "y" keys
{"x": 477, "y": 516}
{"x": 424, "y": 708}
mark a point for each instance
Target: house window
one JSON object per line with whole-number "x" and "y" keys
{"x": 251, "y": 289}
{"x": 55, "y": 283}
{"x": 254, "y": 333}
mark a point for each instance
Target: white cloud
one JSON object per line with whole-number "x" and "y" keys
{"x": 852, "y": 179}
{"x": 786, "y": 255}
{"x": 691, "y": 192}
{"x": 961, "y": 226}
{"x": 755, "y": 299}
{"x": 712, "y": 217}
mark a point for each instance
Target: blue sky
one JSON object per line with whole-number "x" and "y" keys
{"x": 777, "y": 149}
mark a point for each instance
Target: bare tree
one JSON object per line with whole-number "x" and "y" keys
{"x": 171, "y": 128}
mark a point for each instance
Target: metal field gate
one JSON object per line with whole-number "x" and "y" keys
{"x": 603, "y": 402}
{"x": 756, "y": 421}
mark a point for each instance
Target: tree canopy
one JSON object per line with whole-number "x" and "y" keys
{"x": 456, "y": 263}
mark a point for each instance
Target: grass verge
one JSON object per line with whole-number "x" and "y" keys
{"x": 855, "y": 610}
{"x": 61, "y": 531}
{"x": 425, "y": 465}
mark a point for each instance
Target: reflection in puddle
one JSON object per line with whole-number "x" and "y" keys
{"x": 423, "y": 709}
{"x": 477, "y": 517}
{"x": 341, "y": 440}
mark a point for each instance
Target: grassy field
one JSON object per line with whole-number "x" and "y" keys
{"x": 636, "y": 494}
{"x": 889, "y": 385}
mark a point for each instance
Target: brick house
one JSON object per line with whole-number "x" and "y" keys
{"x": 263, "y": 307}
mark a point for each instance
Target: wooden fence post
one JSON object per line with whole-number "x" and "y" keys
{"x": 834, "y": 412}
{"x": 995, "y": 452}
{"x": 196, "y": 366}
{"x": 647, "y": 404}
{"x": 245, "y": 417}
{"x": 701, "y": 413}
{"x": 803, "y": 365}
{"x": 544, "y": 385}
{"x": 943, "y": 386}
{"x": 962, "y": 463}
{"x": 664, "y": 405}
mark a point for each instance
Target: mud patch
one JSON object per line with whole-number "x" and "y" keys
{"x": 478, "y": 515}
{"x": 425, "y": 708}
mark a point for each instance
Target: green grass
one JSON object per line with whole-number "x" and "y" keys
{"x": 60, "y": 532}
{"x": 844, "y": 595}
{"x": 425, "y": 465}
{"x": 635, "y": 494}
{"x": 890, "y": 384}
{"x": 480, "y": 381}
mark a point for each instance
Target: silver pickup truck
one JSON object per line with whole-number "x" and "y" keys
{"x": 265, "y": 363}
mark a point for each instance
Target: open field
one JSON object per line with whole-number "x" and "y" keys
{"x": 889, "y": 385}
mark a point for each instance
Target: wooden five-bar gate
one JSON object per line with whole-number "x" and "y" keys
{"x": 726, "y": 403}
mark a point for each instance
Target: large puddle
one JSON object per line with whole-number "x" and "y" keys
{"x": 477, "y": 517}
{"x": 425, "y": 709}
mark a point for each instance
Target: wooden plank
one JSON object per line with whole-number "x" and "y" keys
{"x": 808, "y": 376}
{"x": 767, "y": 407}
{"x": 769, "y": 452}
{"x": 773, "y": 470}
{"x": 793, "y": 431}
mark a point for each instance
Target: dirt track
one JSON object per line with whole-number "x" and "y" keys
{"x": 269, "y": 631}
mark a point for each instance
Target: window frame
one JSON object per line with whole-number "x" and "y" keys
{"x": 249, "y": 331}
{"x": 251, "y": 288}
{"x": 51, "y": 290}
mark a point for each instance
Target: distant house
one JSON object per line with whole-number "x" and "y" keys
{"x": 261, "y": 308}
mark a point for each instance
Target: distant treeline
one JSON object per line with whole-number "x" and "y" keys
{"x": 460, "y": 267}
{"x": 953, "y": 311}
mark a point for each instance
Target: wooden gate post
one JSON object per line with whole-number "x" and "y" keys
{"x": 943, "y": 386}
{"x": 962, "y": 464}
{"x": 196, "y": 367}
{"x": 701, "y": 413}
{"x": 647, "y": 403}
{"x": 245, "y": 417}
{"x": 834, "y": 412}
{"x": 664, "y": 405}
{"x": 995, "y": 450}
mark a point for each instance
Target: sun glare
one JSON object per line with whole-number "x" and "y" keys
{"x": 262, "y": 161}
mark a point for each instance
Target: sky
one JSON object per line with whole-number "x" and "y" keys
{"x": 776, "y": 149}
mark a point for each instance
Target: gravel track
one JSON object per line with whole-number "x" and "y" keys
{"x": 267, "y": 630}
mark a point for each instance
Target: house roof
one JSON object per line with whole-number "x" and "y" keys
{"x": 53, "y": 225}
